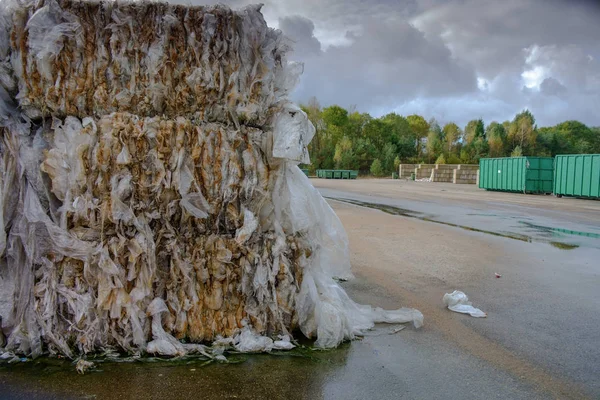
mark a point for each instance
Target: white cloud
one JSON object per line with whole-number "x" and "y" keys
{"x": 482, "y": 83}
{"x": 532, "y": 78}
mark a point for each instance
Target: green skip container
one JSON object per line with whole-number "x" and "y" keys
{"x": 577, "y": 175}
{"x": 517, "y": 174}
{"x": 337, "y": 174}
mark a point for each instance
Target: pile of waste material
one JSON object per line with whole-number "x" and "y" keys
{"x": 150, "y": 198}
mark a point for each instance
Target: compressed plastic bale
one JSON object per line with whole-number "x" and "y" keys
{"x": 206, "y": 248}
{"x": 133, "y": 232}
{"x": 85, "y": 58}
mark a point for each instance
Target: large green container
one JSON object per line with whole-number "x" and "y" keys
{"x": 517, "y": 174}
{"x": 337, "y": 174}
{"x": 577, "y": 175}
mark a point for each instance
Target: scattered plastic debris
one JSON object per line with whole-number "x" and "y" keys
{"x": 83, "y": 366}
{"x": 396, "y": 330}
{"x": 498, "y": 275}
{"x": 458, "y": 302}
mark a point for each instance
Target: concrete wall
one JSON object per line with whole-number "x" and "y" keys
{"x": 442, "y": 175}
{"x": 469, "y": 176}
{"x": 450, "y": 173}
{"x": 424, "y": 171}
{"x": 447, "y": 166}
{"x": 455, "y": 173}
{"x": 404, "y": 170}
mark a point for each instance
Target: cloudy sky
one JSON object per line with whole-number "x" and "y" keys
{"x": 452, "y": 60}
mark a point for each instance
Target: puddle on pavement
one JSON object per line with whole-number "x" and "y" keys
{"x": 563, "y": 246}
{"x": 245, "y": 376}
{"x": 382, "y": 207}
{"x": 511, "y": 235}
{"x": 551, "y": 230}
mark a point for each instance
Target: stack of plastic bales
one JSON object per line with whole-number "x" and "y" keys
{"x": 150, "y": 195}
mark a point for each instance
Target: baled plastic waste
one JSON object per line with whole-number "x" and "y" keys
{"x": 150, "y": 198}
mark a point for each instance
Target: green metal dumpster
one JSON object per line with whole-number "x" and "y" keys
{"x": 577, "y": 175}
{"x": 337, "y": 174}
{"x": 305, "y": 171}
{"x": 517, "y": 174}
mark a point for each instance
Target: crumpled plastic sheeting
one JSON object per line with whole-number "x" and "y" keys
{"x": 133, "y": 230}
{"x": 83, "y": 58}
{"x": 458, "y": 301}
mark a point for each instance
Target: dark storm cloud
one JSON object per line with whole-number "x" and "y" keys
{"x": 551, "y": 86}
{"x": 301, "y": 31}
{"x": 388, "y": 62}
{"x": 451, "y": 59}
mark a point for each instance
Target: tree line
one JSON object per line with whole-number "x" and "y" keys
{"x": 353, "y": 140}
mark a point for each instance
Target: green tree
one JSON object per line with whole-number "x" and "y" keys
{"x": 313, "y": 111}
{"x": 496, "y": 138}
{"x": 581, "y": 139}
{"x": 376, "y": 168}
{"x": 453, "y": 159}
{"x": 479, "y": 149}
{"x": 397, "y": 163}
{"x": 434, "y": 145}
{"x": 401, "y": 135}
{"x": 451, "y": 135}
{"x": 388, "y": 155}
{"x": 365, "y": 152}
{"x": 551, "y": 142}
{"x": 465, "y": 158}
{"x": 441, "y": 159}
{"x": 376, "y": 131}
{"x": 344, "y": 156}
{"x": 420, "y": 129}
{"x": 517, "y": 152}
{"x": 522, "y": 132}
{"x": 353, "y": 140}
{"x": 474, "y": 130}
{"x": 335, "y": 115}
{"x": 356, "y": 124}
{"x": 435, "y": 127}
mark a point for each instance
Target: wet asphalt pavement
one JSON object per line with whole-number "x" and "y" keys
{"x": 409, "y": 247}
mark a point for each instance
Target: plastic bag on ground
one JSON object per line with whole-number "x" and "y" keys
{"x": 458, "y": 302}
